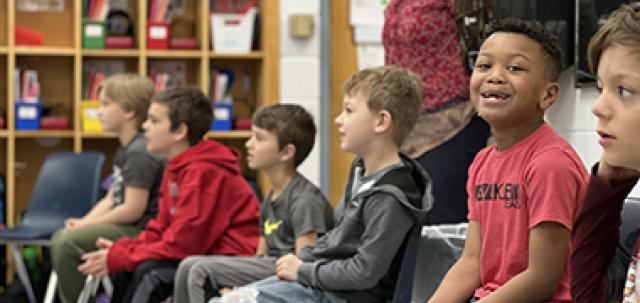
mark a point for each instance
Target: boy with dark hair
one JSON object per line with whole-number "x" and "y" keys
{"x": 132, "y": 199}
{"x": 293, "y": 215}
{"x": 205, "y": 206}
{"x": 524, "y": 190}
{"x": 614, "y": 56}
{"x": 358, "y": 260}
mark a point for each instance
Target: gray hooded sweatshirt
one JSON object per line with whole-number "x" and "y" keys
{"x": 360, "y": 258}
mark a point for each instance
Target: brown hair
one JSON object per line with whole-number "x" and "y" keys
{"x": 621, "y": 28}
{"x": 132, "y": 91}
{"x": 393, "y": 89}
{"x": 291, "y": 124}
{"x": 190, "y": 106}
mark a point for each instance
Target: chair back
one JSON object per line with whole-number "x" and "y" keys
{"x": 67, "y": 186}
{"x": 430, "y": 252}
{"x": 630, "y": 223}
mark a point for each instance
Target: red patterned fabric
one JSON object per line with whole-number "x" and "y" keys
{"x": 421, "y": 35}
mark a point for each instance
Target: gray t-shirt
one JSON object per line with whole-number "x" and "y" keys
{"x": 135, "y": 167}
{"x": 300, "y": 209}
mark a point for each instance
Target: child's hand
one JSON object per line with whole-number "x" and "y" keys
{"x": 72, "y": 223}
{"x": 287, "y": 267}
{"x": 103, "y": 243}
{"x": 224, "y": 290}
{"x": 95, "y": 263}
{"x": 613, "y": 174}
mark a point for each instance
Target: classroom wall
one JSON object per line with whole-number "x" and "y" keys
{"x": 300, "y": 72}
{"x": 571, "y": 116}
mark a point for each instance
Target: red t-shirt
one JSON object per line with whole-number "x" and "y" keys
{"x": 539, "y": 179}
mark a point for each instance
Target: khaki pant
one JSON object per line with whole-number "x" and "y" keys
{"x": 68, "y": 246}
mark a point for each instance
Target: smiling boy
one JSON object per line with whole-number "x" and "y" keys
{"x": 524, "y": 191}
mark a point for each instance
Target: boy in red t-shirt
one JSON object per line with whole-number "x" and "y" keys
{"x": 524, "y": 191}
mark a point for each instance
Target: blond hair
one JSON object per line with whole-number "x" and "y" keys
{"x": 621, "y": 28}
{"x": 393, "y": 89}
{"x": 133, "y": 92}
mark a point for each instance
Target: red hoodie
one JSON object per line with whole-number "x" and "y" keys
{"x": 205, "y": 207}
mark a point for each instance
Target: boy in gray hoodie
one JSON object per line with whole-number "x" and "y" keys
{"x": 358, "y": 261}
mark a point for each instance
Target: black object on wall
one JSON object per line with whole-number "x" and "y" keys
{"x": 592, "y": 15}
{"x": 558, "y": 16}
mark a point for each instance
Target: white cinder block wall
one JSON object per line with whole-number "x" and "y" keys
{"x": 300, "y": 72}
{"x": 571, "y": 116}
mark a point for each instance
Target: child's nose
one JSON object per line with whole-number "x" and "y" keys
{"x": 601, "y": 108}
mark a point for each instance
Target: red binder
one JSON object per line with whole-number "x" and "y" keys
{"x": 119, "y": 42}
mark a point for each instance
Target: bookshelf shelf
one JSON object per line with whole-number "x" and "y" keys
{"x": 250, "y": 55}
{"x": 44, "y": 51}
{"x": 44, "y": 134}
{"x": 111, "y": 52}
{"x": 233, "y": 134}
{"x": 97, "y": 135}
{"x": 3, "y": 134}
{"x": 187, "y": 54}
{"x": 3, "y": 50}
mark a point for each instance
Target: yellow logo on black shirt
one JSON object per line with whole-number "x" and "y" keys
{"x": 271, "y": 227}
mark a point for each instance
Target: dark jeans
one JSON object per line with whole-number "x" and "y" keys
{"x": 447, "y": 165}
{"x": 126, "y": 283}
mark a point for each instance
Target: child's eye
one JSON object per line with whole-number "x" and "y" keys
{"x": 514, "y": 68}
{"x": 624, "y": 92}
{"x": 482, "y": 66}
{"x": 348, "y": 110}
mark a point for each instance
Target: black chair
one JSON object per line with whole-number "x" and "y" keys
{"x": 66, "y": 186}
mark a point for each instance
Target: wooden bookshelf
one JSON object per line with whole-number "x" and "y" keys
{"x": 44, "y": 51}
{"x": 60, "y": 61}
{"x": 234, "y": 134}
{"x": 179, "y": 54}
{"x": 43, "y": 134}
{"x": 111, "y": 53}
{"x": 256, "y": 55}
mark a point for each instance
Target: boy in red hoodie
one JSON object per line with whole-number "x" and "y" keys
{"x": 205, "y": 205}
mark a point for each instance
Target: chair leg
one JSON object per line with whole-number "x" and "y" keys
{"x": 23, "y": 275}
{"x": 85, "y": 294}
{"x": 108, "y": 286}
{"x": 51, "y": 288}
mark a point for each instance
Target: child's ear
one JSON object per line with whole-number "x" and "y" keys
{"x": 384, "y": 121}
{"x": 130, "y": 115}
{"x": 550, "y": 95}
{"x": 181, "y": 132}
{"x": 288, "y": 152}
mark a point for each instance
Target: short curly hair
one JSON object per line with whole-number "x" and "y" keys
{"x": 291, "y": 124}
{"x": 536, "y": 32}
{"x": 190, "y": 106}
{"x": 621, "y": 28}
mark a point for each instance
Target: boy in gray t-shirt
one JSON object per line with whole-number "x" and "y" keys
{"x": 133, "y": 196}
{"x": 294, "y": 214}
